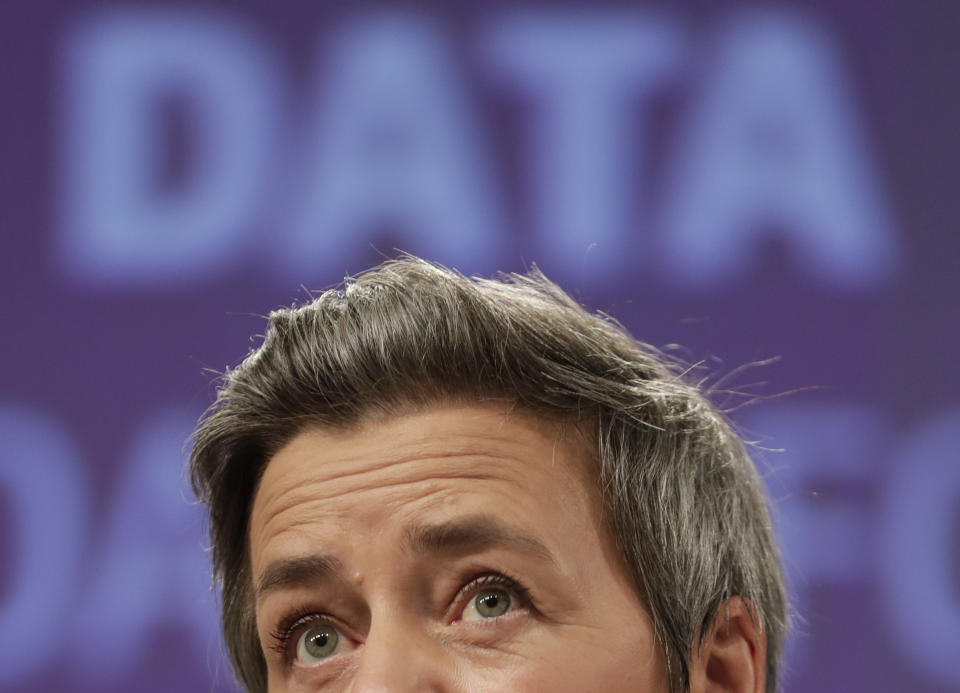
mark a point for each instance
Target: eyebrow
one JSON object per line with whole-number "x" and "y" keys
{"x": 298, "y": 570}
{"x": 461, "y": 536}
{"x": 475, "y": 533}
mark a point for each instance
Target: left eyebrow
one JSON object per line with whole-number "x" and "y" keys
{"x": 475, "y": 533}
{"x": 299, "y": 570}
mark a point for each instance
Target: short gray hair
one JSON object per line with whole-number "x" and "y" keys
{"x": 682, "y": 498}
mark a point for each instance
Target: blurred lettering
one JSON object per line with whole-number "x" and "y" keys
{"x": 118, "y": 225}
{"x": 394, "y": 144}
{"x": 771, "y": 146}
{"x": 824, "y": 536}
{"x": 152, "y": 571}
{"x": 920, "y": 535}
{"x": 588, "y": 75}
{"x": 391, "y": 141}
{"x": 48, "y": 502}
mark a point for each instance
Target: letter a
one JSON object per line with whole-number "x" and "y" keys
{"x": 771, "y": 146}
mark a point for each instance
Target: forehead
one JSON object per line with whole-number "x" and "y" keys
{"x": 390, "y": 474}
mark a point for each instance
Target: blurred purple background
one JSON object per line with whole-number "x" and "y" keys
{"x": 746, "y": 181}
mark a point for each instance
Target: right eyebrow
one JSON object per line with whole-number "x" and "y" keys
{"x": 475, "y": 533}
{"x": 299, "y": 570}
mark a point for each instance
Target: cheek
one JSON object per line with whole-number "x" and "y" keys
{"x": 275, "y": 682}
{"x": 622, "y": 663}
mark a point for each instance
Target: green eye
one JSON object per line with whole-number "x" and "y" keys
{"x": 316, "y": 643}
{"x": 492, "y": 603}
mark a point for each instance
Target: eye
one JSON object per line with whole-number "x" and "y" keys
{"x": 488, "y": 603}
{"x": 317, "y": 643}
{"x": 308, "y": 638}
{"x": 491, "y": 596}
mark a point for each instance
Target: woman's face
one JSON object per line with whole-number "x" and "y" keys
{"x": 456, "y": 549}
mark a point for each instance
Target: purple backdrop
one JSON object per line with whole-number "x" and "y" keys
{"x": 748, "y": 182}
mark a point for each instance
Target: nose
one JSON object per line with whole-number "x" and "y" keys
{"x": 401, "y": 656}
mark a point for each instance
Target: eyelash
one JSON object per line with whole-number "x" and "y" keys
{"x": 290, "y": 625}
{"x": 501, "y": 580}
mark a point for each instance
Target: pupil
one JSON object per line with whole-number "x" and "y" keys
{"x": 492, "y": 603}
{"x": 320, "y": 642}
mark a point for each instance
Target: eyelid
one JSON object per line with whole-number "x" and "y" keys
{"x": 486, "y": 581}
{"x": 290, "y": 627}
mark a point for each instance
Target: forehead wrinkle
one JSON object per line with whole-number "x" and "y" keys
{"x": 320, "y": 465}
{"x": 426, "y": 445}
{"x": 290, "y": 481}
{"x": 302, "y": 507}
{"x": 301, "y": 502}
{"x": 295, "y": 486}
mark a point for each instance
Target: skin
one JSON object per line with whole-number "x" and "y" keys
{"x": 383, "y": 532}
